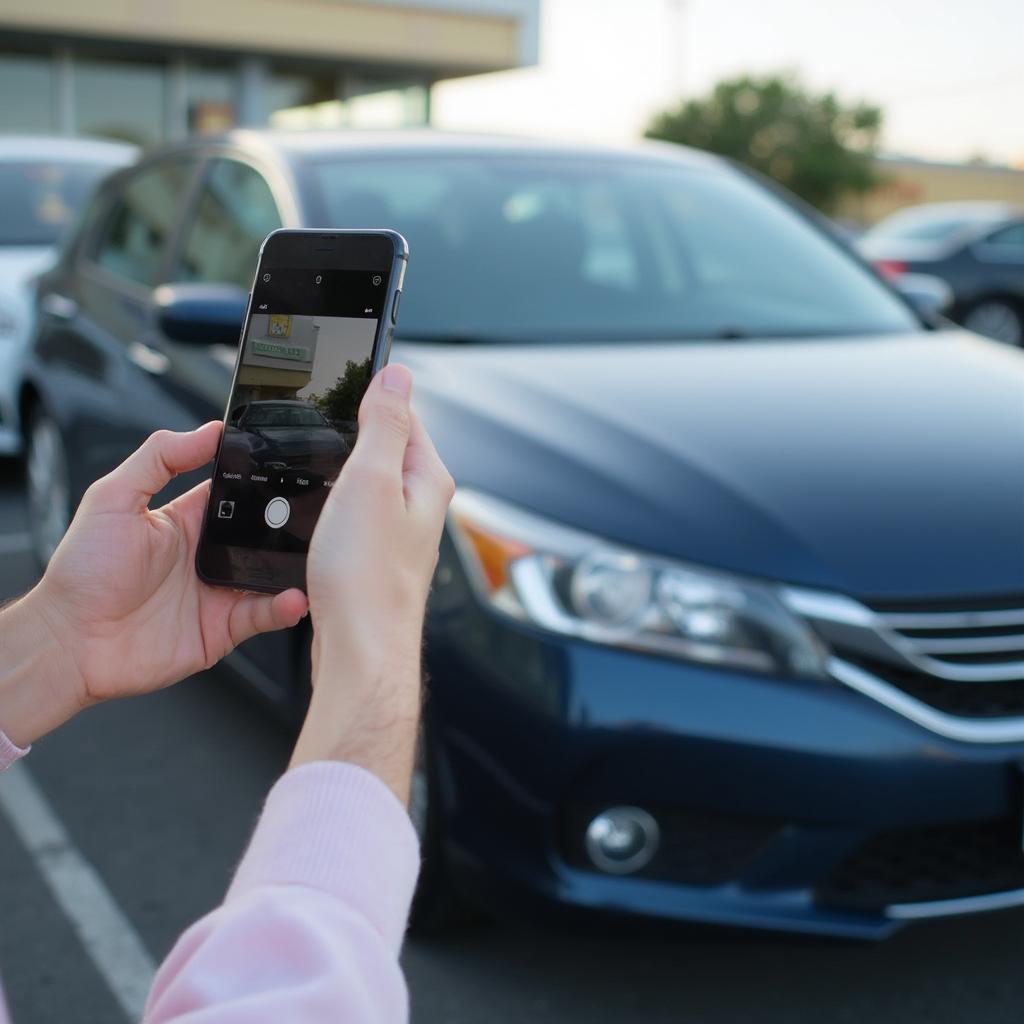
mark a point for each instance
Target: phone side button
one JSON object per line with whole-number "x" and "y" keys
{"x": 394, "y": 307}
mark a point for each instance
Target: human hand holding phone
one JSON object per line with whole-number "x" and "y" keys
{"x": 120, "y": 610}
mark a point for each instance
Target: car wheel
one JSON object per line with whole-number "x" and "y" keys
{"x": 996, "y": 319}
{"x": 437, "y": 906}
{"x": 49, "y": 486}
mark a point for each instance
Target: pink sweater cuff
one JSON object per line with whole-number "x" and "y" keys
{"x": 9, "y": 753}
{"x": 337, "y": 828}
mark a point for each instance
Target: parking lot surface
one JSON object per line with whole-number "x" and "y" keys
{"x": 157, "y": 795}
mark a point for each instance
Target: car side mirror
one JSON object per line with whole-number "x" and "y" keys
{"x": 930, "y": 296}
{"x": 200, "y": 314}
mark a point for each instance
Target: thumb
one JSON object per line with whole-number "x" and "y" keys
{"x": 385, "y": 421}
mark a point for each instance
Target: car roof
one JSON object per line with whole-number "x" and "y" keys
{"x": 64, "y": 149}
{"x": 280, "y": 401}
{"x": 295, "y": 145}
{"x": 970, "y": 209}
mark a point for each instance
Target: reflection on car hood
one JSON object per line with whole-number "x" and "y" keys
{"x": 881, "y": 467}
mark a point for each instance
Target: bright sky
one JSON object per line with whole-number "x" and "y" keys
{"x": 948, "y": 73}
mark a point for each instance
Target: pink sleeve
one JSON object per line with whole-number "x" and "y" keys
{"x": 9, "y": 753}
{"x": 313, "y": 922}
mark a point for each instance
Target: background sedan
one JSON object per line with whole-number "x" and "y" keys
{"x": 977, "y": 248}
{"x": 43, "y": 184}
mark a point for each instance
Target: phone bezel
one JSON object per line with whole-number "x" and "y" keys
{"x": 311, "y": 248}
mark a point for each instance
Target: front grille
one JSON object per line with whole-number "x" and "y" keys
{"x": 915, "y": 865}
{"x": 697, "y": 847}
{"x": 1001, "y": 699}
{"x": 985, "y": 635}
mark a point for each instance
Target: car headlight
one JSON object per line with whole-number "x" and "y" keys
{"x": 575, "y": 584}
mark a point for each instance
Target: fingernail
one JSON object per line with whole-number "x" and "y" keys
{"x": 396, "y": 378}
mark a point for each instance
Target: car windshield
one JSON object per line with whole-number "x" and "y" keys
{"x": 285, "y": 416}
{"x": 38, "y": 198}
{"x": 526, "y": 247}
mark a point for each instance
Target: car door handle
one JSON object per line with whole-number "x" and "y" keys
{"x": 149, "y": 359}
{"x": 60, "y": 307}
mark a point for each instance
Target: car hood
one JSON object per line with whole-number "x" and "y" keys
{"x": 883, "y": 467}
{"x": 299, "y": 437}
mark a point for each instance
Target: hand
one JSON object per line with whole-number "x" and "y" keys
{"x": 121, "y": 597}
{"x": 371, "y": 561}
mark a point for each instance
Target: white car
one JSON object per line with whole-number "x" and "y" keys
{"x": 43, "y": 183}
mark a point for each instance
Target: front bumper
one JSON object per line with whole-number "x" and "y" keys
{"x": 784, "y": 804}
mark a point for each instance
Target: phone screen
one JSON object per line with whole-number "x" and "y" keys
{"x": 309, "y": 349}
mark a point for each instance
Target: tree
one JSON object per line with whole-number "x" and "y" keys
{"x": 810, "y": 143}
{"x": 340, "y": 402}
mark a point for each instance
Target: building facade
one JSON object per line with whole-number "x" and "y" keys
{"x": 910, "y": 182}
{"x": 150, "y": 71}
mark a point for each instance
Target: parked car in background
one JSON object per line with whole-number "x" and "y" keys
{"x": 43, "y": 184}
{"x": 977, "y": 248}
{"x": 728, "y": 622}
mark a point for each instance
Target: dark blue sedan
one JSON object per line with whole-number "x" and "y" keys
{"x": 728, "y": 623}
{"x": 976, "y": 248}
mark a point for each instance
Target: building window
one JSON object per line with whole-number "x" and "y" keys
{"x": 286, "y": 89}
{"x": 120, "y": 100}
{"x": 211, "y": 93}
{"x": 30, "y": 79}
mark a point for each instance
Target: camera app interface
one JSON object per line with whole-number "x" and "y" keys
{"x": 305, "y": 365}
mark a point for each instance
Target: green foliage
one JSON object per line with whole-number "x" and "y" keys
{"x": 340, "y": 402}
{"x": 809, "y": 143}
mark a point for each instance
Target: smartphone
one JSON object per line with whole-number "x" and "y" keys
{"x": 318, "y": 326}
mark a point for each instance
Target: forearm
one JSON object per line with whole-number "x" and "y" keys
{"x": 365, "y": 710}
{"x": 38, "y": 679}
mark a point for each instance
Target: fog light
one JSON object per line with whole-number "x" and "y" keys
{"x": 622, "y": 840}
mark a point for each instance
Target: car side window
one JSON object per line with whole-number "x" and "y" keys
{"x": 235, "y": 212}
{"x": 133, "y": 242}
{"x": 1010, "y": 239}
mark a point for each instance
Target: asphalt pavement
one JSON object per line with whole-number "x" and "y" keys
{"x": 155, "y": 798}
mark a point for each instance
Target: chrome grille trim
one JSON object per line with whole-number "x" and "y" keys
{"x": 879, "y": 632}
{"x": 960, "y": 905}
{"x": 968, "y": 730}
{"x": 969, "y": 644}
{"x": 955, "y": 620}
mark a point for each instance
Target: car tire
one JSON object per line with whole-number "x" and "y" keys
{"x": 48, "y": 485}
{"x": 437, "y": 906}
{"x": 996, "y": 318}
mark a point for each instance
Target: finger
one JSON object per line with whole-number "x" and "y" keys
{"x": 384, "y": 423}
{"x": 188, "y": 509}
{"x": 262, "y": 613}
{"x": 427, "y": 480}
{"x": 161, "y": 458}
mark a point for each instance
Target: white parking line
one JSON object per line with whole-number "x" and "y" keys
{"x": 14, "y": 543}
{"x": 113, "y": 945}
